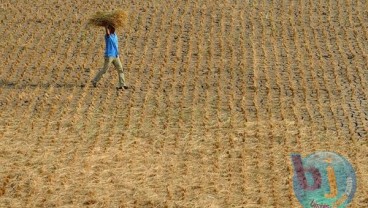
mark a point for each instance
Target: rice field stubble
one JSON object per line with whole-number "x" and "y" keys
{"x": 224, "y": 92}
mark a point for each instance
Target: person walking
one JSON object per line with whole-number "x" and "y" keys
{"x": 111, "y": 56}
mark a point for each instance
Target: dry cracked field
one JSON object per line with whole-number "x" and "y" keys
{"x": 223, "y": 93}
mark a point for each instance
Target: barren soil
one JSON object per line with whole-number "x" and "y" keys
{"x": 222, "y": 93}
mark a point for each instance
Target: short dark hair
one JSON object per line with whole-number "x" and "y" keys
{"x": 111, "y": 28}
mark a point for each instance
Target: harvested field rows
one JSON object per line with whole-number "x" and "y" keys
{"x": 223, "y": 92}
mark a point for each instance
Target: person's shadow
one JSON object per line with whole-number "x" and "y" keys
{"x": 23, "y": 84}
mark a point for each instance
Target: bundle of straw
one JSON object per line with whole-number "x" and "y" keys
{"x": 115, "y": 19}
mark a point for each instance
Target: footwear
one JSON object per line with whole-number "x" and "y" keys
{"x": 121, "y": 87}
{"x": 94, "y": 84}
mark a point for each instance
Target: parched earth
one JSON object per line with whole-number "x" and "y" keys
{"x": 222, "y": 94}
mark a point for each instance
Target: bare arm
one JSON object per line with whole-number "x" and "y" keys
{"x": 107, "y": 30}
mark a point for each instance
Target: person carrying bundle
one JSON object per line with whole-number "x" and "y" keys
{"x": 111, "y": 47}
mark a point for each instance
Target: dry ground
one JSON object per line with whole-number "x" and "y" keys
{"x": 224, "y": 92}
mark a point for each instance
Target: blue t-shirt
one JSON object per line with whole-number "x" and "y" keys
{"x": 111, "y": 49}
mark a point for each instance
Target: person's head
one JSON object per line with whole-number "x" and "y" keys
{"x": 111, "y": 29}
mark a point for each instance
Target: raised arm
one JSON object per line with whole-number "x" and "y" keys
{"x": 107, "y": 30}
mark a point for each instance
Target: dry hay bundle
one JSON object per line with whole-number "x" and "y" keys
{"x": 115, "y": 19}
